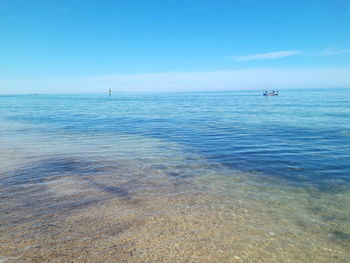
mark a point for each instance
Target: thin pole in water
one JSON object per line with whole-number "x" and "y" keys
{"x": 110, "y": 92}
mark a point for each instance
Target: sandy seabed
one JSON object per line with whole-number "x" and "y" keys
{"x": 141, "y": 213}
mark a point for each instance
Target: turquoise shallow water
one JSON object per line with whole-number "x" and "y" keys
{"x": 302, "y": 136}
{"x": 271, "y": 158}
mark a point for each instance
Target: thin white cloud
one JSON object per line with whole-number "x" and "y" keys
{"x": 269, "y": 55}
{"x": 334, "y": 51}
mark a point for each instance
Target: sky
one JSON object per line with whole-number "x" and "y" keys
{"x": 58, "y": 46}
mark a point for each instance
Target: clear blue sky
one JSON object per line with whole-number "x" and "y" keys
{"x": 125, "y": 44}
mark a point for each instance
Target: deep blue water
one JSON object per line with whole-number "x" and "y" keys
{"x": 301, "y": 136}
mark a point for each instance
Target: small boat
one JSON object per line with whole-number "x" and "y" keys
{"x": 270, "y": 93}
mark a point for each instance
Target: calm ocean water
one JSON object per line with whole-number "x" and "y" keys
{"x": 229, "y": 176}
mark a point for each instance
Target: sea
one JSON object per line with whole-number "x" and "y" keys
{"x": 176, "y": 177}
